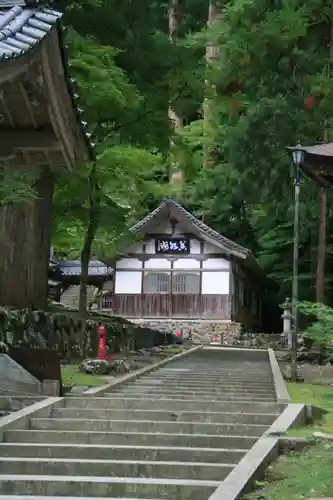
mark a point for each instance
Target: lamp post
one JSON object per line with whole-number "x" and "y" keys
{"x": 298, "y": 157}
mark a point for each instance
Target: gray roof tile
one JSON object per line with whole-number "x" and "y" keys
{"x": 23, "y": 25}
{"x": 174, "y": 206}
{"x": 170, "y": 206}
{"x": 21, "y": 28}
{"x": 73, "y": 268}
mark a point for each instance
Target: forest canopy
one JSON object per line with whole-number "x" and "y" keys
{"x": 216, "y": 92}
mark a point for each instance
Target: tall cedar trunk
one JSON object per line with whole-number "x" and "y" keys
{"x": 212, "y": 55}
{"x": 93, "y": 222}
{"x": 320, "y": 277}
{"x": 175, "y": 21}
{"x": 25, "y": 230}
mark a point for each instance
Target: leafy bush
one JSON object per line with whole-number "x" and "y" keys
{"x": 321, "y": 316}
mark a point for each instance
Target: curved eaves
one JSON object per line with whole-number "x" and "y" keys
{"x": 22, "y": 29}
{"x": 72, "y": 91}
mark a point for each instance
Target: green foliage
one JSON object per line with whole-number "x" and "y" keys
{"x": 270, "y": 57}
{"x": 321, "y": 330}
{"x": 16, "y": 185}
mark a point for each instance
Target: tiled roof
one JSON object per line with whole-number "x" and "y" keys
{"x": 53, "y": 283}
{"x": 23, "y": 27}
{"x": 73, "y": 268}
{"x": 175, "y": 208}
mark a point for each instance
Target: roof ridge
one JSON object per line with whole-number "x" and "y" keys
{"x": 205, "y": 226}
{"x": 8, "y": 4}
{"x": 26, "y": 23}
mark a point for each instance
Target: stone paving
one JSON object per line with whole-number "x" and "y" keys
{"x": 175, "y": 433}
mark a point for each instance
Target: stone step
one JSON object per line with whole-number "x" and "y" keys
{"x": 214, "y": 372}
{"x": 81, "y": 424}
{"x": 43, "y": 497}
{"x": 173, "y": 405}
{"x": 210, "y": 364}
{"x": 126, "y": 452}
{"x": 185, "y": 397}
{"x": 107, "y": 487}
{"x": 243, "y": 377}
{"x": 203, "y": 384}
{"x": 157, "y": 415}
{"x": 115, "y": 468}
{"x": 14, "y": 403}
{"x": 192, "y": 391}
{"x": 222, "y": 384}
{"x": 130, "y": 438}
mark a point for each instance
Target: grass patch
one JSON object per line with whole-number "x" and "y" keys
{"x": 308, "y": 474}
{"x": 172, "y": 351}
{"x": 318, "y": 395}
{"x": 71, "y": 376}
{"x": 298, "y": 476}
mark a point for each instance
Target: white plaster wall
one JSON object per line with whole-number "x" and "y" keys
{"x": 166, "y": 228}
{"x": 150, "y": 246}
{"x": 194, "y": 246}
{"x": 209, "y": 248}
{"x": 158, "y": 264}
{"x": 128, "y": 282}
{"x": 216, "y": 264}
{"x": 215, "y": 283}
{"x": 128, "y": 264}
{"x": 186, "y": 264}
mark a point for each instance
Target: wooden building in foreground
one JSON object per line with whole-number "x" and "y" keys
{"x": 67, "y": 274}
{"x": 183, "y": 274}
{"x": 318, "y": 163}
{"x": 41, "y": 131}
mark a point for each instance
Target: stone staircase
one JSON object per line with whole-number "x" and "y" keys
{"x": 13, "y": 402}
{"x": 172, "y": 434}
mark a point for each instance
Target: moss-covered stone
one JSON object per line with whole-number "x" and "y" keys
{"x": 68, "y": 332}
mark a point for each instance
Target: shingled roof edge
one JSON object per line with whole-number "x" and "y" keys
{"x": 90, "y": 145}
{"x": 41, "y": 7}
{"x": 234, "y": 249}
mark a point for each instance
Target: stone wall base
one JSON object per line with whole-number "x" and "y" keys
{"x": 201, "y": 331}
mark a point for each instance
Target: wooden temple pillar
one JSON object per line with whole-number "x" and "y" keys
{"x": 24, "y": 251}
{"x": 317, "y": 164}
{"x": 40, "y": 133}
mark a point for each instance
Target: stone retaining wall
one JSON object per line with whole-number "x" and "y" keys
{"x": 202, "y": 331}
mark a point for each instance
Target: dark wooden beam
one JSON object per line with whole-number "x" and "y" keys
{"x": 169, "y": 270}
{"x": 175, "y": 256}
{"x": 14, "y": 140}
{"x": 15, "y": 67}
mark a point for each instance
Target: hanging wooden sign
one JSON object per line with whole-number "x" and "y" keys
{"x": 172, "y": 245}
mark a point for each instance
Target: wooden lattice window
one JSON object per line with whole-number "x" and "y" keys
{"x": 156, "y": 282}
{"x": 185, "y": 283}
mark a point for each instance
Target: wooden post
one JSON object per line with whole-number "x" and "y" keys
{"x": 320, "y": 276}
{"x": 25, "y": 247}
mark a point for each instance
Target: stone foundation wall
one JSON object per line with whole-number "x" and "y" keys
{"x": 202, "y": 331}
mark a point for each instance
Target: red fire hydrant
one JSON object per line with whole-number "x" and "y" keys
{"x": 101, "y": 350}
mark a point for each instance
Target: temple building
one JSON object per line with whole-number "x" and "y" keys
{"x": 41, "y": 131}
{"x": 181, "y": 274}
{"x": 317, "y": 163}
{"x": 64, "y": 282}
